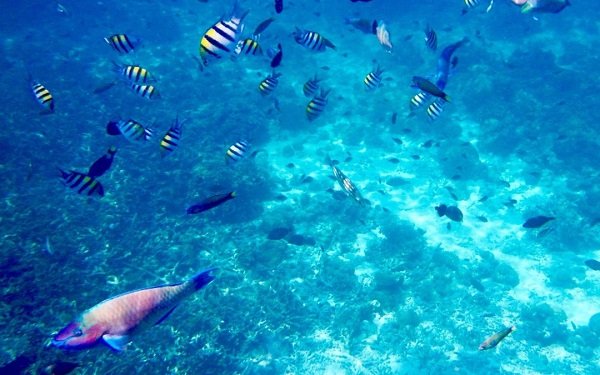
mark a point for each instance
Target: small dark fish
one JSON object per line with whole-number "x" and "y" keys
{"x": 59, "y": 368}
{"x": 394, "y": 118}
{"x": 263, "y": 26}
{"x": 394, "y": 160}
{"x": 495, "y": 339}
{"x": 276, "y": 61}
{"x": 593, "y": 264}
{"x": 102, "y": 165}
{"x": 451, "y": 212}
{"x": 429, "y": 87}
{"x": 210, "y": 202}
{"x": 367, "y": 26}
{"x": 397, "y": 140}
{"x": 483, "y": 219}
{"x": 430, "y": 38}
{"x": 106, "y": 87}
{"x": 278, "y": 6}
{"x": 537, "y": 221}
{"x": 278, "y": 233}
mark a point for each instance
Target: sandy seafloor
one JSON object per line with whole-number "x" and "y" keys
{"x": 388, "y": 288}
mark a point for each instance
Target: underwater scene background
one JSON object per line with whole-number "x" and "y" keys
{"x": 310, "y": 279}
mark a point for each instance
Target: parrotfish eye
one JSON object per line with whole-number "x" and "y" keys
{"x": 77, "y": 332}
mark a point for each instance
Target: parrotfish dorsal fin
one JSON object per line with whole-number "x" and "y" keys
{"x": 116, "y": 342}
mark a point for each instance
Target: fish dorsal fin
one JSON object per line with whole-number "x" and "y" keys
{"x": 164, "y": 317}
{"x": 116, "y": 342}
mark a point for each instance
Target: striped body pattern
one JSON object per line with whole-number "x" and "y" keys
{"x": 171, "y": 139}
{"x": 132, "y": 130}
{"x": 134, "y": 73}
{"x": 221, "y": 38}
{"x": 43, "y": 96}
{"x": 248, "y": 46}
{"x": 121, "y": 43}
{"x": 347, "y": 185}
{"x": 430, "y": 38}
{"x": 373, "y": 79}
{"x": 434, "y": 110}
{"x": 145, "y": 91}
{"x": 315, "y": 107}
{"x": 82, "y": 183}
{"x": 312, "y": 40}
{"x": 311, "y": 87}
{"x": 419, "y": 99}
{"x": 118, "y": 318}
{"x": 471, "y": 3}
{"x": 236, "y": 151}
{"x": 269, "y": 84}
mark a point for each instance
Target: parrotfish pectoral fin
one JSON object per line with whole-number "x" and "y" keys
{"x": 116, "y": 342}
{"x": 164, "y": 317}
{"x": 203, "y": 279}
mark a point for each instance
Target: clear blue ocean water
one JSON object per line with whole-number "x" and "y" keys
{"x": 308, "y": 280}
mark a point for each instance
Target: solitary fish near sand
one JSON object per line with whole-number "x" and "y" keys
{"x": 116, "y": 319}
{"x": 495, "y": 339}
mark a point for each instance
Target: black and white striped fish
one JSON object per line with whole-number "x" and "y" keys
{"x": 419, "y": 99}
{"x": 269, "y": 84}
{"x": 312, "y": 40}
{"x": 42, "y": 96}
{"x": 222, "y": 37}
{"x": 236, "y": 152}
{"x": 130, "y": 129}
{"x": 145, "y": 91}
{"x": 311, "y": 87}
{"x": 317, "y": 105}
{"x": 373, "y": 79}
{"x": 171, "y": 139}
{"x": 435, "y": 109}
{"x": 81, "y": 183}
{"x": 133, "y": 73}
{"x": 430, "y": 38}
{"x": 122, "y": 43}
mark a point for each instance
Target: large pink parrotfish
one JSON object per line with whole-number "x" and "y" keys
{"x": 117, "y": 319}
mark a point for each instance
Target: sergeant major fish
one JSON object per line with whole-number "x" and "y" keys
{"x": 170, "y": 140}
{"x": 131, "y": 130}
{"x": 116, "y": 320}
{"x": 222, "y": 37}
{"x": 312, "y": 40}
{"x": 236, "y": 151}
{"x": 311, "y": 87}
{"x": 145, "y": 91}
{"x": 122, "y": 43}
{"x": 133, "y": 73}
{"x": 373, "y": 79}
{"x": 269, "y": 84}
{"x": 81, "y": 183}
{"x": 42, "y": 96}
{"x": 317, "y": 105}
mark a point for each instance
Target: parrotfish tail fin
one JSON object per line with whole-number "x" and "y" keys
{"x": 526, "y": 8}
{"x": 233, "y": 194}
{"x": 203, "y": 279}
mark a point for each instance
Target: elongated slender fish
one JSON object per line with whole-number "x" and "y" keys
{"x": 495, "y": 339}
{"x": 210, "y": 202}
{"x": 347, "y": 185}
{"x": 116, "y": 320}
{"x": 544, "y": 6}
{"x": 262, "y": 26}
{"x": 429, "y": 87}
{"x": 537, "y": 221}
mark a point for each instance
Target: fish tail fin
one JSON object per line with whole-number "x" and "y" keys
{"x": 203, "y": 279}
{"x": 63, "y": 173}
{"x": 513, "y": 328}
{"x": 447, "y": 98}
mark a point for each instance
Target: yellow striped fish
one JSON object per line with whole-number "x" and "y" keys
{"x": 145, "y": 91}
{"x": 122, "y": 43}
{"x": 132, "y": 130}
{"x": 133, "y": 73}
{"x": 269, "y": 84}
{"x": 43, "y": 96}
{"x": 171, "y": 140}
{"x": 316, "y": 106}
{"x": 248, "y": 46}
{"x": 81, "y": 183}
{"x": 236, "y": 152}
{"x": 311, "y": 87}
{"x": 312, "y": 40}
{"x": 373, "y": 79}
{"x": 221, "y": 38}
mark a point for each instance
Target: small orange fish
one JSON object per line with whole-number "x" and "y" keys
{"x": 495, "y": 339}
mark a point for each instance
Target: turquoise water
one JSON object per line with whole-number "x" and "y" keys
{"x": 309, "y": 281}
